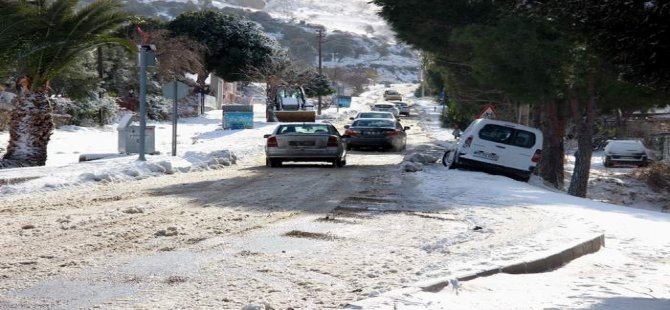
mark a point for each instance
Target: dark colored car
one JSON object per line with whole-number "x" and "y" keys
{"x": 376, "y": 133}
{"x": 305, "y": 142}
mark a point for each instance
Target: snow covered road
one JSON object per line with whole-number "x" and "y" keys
{"x": 317, "y": 237}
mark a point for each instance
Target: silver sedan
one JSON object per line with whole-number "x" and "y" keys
{"x": 305, "y": 142}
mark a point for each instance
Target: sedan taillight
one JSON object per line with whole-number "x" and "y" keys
{"x": 332, "y": 141}
{"x": 272, "y": 142}
{"x": 393, "y": 133}
{"x": 350, "y": 132}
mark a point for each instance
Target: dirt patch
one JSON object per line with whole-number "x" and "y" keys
{"x": 16, "y": 180}
{"x": 657, "y": 176}
{"x": 333, "y": 219}
{"x": 436, "y": 216}
{"x": 310, "y": 235}
{"x": 175, "y": 280}
{"x": 359, "y": 199}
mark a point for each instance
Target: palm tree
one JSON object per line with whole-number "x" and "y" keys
{"x": 40, "y": 38}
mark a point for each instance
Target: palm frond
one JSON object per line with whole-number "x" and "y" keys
{"x": 46, "y": 36}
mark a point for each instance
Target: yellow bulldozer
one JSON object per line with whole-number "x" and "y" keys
{"x": 290, "y": 105}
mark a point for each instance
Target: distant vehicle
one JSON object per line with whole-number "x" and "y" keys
{"x": 500, "y": 146}
{"x": 305, "y": 142}
{"x": 391, "y": 94}
{"x": 386, "y": 107}
{"x": 376, "y": 133}
{"x": 290, "y": 105}
{"x": 403, "y": 107}
{"x": 374, "y": 114}
{"x": 627, "y": 152}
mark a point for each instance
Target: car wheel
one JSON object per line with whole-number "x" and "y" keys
{"x": 449, "y": 159}
{"x": 339, "y": 163}
{"x": 275, "y": 162}
{"x": 524, "y": 178}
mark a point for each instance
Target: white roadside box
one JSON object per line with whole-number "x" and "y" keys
{"x": 129, "y": 136}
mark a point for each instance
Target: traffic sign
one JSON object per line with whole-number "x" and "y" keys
{"x": 487, "y": 112}
{"x": 175, "y": 88}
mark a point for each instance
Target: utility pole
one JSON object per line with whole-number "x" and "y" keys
{"x": 320, "y": 38}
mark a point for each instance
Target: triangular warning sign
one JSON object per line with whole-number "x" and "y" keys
{"x": 487, "y": 112}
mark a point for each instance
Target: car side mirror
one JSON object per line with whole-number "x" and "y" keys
{"x": 407, "y": 127}
{"x": 266, "y": 136}
{"x": 347, "y": 126}
{"x": 351, "y": 118}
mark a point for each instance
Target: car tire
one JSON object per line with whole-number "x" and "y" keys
{"x": 449, "y": 159}
{"x": 339, "y": 163}
{"x": 524, "y": 178}
{"x": 607, "y": 163}
{"x": 275, "y": 162}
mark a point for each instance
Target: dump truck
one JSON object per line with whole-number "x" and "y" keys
{"x": 290, "y": 105}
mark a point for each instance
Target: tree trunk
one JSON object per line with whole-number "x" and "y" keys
{"x": 553, "y": 127}
{"x": 270, "y": 93}
{"x": 580, "y": 176}
{"x": 30, "y": 129}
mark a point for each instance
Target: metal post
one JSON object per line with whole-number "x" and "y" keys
{"x": 143, "y": 100}
{"x": 174, "y": 121}
{"x": 320, "y": 41}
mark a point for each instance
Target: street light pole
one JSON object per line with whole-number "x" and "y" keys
{"x": 320, "y": 38}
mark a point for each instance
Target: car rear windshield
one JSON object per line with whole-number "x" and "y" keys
{"x": 384, "y": 106}
{"x": 373, "y": 123}
{"x": 302, "y": 128}
{"x": 375, "y": 115}
{"x": 401, "y": 104}
{"x": 507, "y": 135}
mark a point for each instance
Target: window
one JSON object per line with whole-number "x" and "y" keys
{"x": 507, "y": 135}
{"x": 303, "y": 129}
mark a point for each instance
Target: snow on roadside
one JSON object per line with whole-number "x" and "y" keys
{"x": 201, "y": 144}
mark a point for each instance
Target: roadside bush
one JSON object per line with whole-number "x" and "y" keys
{"x": 159, "y": 108}
{"x": 87, "y": 113}
{"x": 656, "y": 176}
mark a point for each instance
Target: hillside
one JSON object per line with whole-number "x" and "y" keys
{"x": 356, "y": 38}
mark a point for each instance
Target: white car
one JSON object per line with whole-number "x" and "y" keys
{"x": 387, "y": 107}
{"x": 500, "y": 146}
{"x": 629, "y": 152}
{"x": 374, "y": 114}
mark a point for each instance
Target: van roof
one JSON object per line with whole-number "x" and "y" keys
{"x": 506, "y": 123}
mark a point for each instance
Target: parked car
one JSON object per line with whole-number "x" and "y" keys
{"x": 403, "y": 108}
{"x": 391, "y": 94}
{"x": 628, "y": 152}
{"x": 386, "y": 107}
{"x": 376, "y": 133}
{"x": 373, "y": 114}
{"x": 499, "y": 146}
{"x": 303, "y": 142}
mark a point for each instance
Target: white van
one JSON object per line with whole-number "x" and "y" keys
{"x": 500, "y": 146}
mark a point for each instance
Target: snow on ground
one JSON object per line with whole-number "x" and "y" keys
{"x": 632, "y": 272}
{"x": 201, "y": 144}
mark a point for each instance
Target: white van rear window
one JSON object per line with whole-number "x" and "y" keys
{"x": 507, "y": 135}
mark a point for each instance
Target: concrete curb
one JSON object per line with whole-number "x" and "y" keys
{"x": 544, "y": 264}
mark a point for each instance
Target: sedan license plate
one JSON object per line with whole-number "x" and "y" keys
{"x": 301, "y": 143}
{"x": 482, "y": 154}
